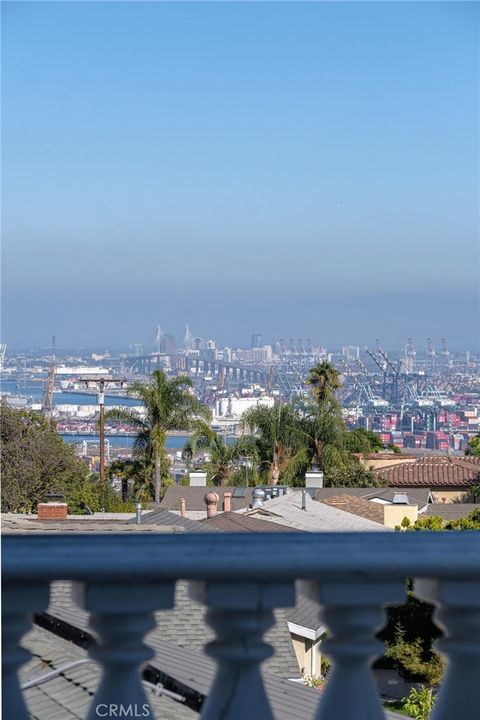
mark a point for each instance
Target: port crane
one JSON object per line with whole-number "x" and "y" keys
{"x": 396, "y": 377}
{"x": 382, "y": 367}
{"x": 364, "y": 388}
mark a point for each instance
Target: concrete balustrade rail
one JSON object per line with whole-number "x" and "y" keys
{"x": 241, "y": 579}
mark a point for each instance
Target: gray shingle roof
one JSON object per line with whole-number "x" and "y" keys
{"x": 305, "y": 613}
{"x": 317, "y": 517}
{"x": 185, "y": 666}
{"x": 178, "y": 635}
{"x": 160, "y": 516}
{"x": 195, "y": 497}
{"x": 69, "y": 695}
{"x": 239, "y": 522}
{"x": 14, "y": 525}
{"x": 452, "y": 511}
{"x": 184, "y": 626}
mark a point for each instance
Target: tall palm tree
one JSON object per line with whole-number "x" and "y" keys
{"x": 324, "y": 379}
{"x": 277, "y": 439}
{"x": 169, "y": 405}
{"x": 224, "y": 457}
{"x": 323, "y": 432}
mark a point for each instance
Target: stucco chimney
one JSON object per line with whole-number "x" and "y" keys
{"x": 211, "y": 501}
{"x": 314, "y": 477}
{"x": 198, "y": 478}
{"x": 227, "y": 502}
{"x": 183, "y": 507}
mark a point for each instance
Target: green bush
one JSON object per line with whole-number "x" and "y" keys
{"x": 419, "y": 703}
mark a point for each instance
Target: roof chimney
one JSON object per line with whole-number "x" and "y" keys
{"x": 227, "y": 502}
{"x": 183, "y": 507}
{"x": 198, "y": 478}
{"x": 211, "y": 501}
{"x": 52, "y": 511}
{"x": 314, "y": 477}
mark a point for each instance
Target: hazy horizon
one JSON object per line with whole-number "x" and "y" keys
{"x": 296, "y": 170}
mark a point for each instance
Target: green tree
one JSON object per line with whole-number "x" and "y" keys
{"x": 280, "y": 449}
{"x": 324, "y": 380}
{"x": 136, "y": 476}
{"x": 354, "y": 474}
{"x": 430, "y": 522}
{"x": 437, "y": 523}
{"x": 169, "y": 405}
{"x": 414, "y": 660}
{"x": 474, "y": 446}
{"x": 224, "y": 458}
{"x": 362, "y": 441}
{"x": 97, "y": 496}
{"x": 35, "y": 461}
{"x": 323, "y": 433}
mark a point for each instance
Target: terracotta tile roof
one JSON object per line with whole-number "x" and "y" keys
{"x": 432, "y": 472}
{"x": 356, "y": 506}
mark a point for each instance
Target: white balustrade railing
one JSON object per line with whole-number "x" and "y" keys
{"x": 241, "y": 579}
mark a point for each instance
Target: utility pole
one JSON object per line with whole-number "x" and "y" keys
{"x": 49, "y": 387}
{"x": 99, "y": 382}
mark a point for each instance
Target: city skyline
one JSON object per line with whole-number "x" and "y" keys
{"x": 297, "y": 170}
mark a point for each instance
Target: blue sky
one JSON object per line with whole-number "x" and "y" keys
{"x": 292, "y": 169}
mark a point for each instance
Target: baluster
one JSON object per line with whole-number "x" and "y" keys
{"x": 458, "y": 616}
{"x": 19, "y": 601}
{"x": 121, "y": 616}
{"x": 240, "y": 614}
{"x": 352, "y": 612}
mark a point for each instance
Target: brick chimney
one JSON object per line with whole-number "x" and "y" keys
{"x": 183, "y": 507}
{"x": 52, "y": 511}
{"x": 227, "y": 502}
{"x": 211, "y": 501}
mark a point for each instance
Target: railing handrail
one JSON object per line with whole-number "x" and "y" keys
{"x": 242, "y": 556}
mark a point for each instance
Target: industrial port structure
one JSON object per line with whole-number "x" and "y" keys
{"x": 402, "y": 395}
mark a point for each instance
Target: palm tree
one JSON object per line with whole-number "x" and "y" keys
{"x": 323, "y": 431}
{"x": 169, "y": 405}
{"x": 224, "y": 458}
{"x": 277, "y": 439}
{"x": 325, "y": 381}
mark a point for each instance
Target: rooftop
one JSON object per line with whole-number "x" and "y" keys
{"x": 357, "y": 506}
{"x": 452, "y": 511}
{"x": 434, "y": 472}
{"x": 239, "y": 522}
{"x": 68, "y": 695}
{"x": 418, "y": 496}
{"x": 317, "y": 517}
{"x": 194, "y": 497}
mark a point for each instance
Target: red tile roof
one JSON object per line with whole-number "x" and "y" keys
{"x": 437, "y": 471}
